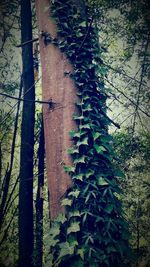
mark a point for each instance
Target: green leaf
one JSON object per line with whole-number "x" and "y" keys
{"x": 75, "y": 213}
{"x": 72, "y": 133}
{"x": 81, "y": 252}
{"x": 74, "y": 227}
{"x": 82, "y": 24}
{"x": 99, "y": 149}
{"x": 78, "y": 176}
{"x": 109, "y": 208}
{"x": 80, "y": 160}
{"x": 75, "y": 193}
{"x": 66, "y": 202}
{"x": 54, "y": 231}
{"x": 73, "y": 150}
{"x": 89, "y": 173}
{"x": 102, "y": 181}
{"x": 76, "y": 134}
{"x": 83, "y": 142}
{"x": 119, "y": 173}
{"x": 65, "y": 249}
{"x": 87, "y": 108}
{"x": 85, "y": 126}
{"x": 61, "y": 218}
{"x": 86, "y": 97}
{"x": 75, "y": 117}
{"x": 69, "y": 168}
{"x": 96, "y": 135}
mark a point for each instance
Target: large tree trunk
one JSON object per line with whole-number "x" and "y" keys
{"x": 58, "y": 121}
{"x": 27, "y": 143}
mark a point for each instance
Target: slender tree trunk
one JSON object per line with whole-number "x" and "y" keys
{"x": 6, "y": 181}
{"x": 39, "y": 200}
{"x": 26, "y": 238}
{"x": 57, "y": 122}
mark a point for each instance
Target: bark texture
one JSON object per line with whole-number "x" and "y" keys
{"x": 58, "y": 121}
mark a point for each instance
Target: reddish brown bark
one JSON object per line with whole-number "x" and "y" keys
{"x": 57, "y": 122}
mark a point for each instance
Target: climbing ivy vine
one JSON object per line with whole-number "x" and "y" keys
{"x": 93, "y": 232}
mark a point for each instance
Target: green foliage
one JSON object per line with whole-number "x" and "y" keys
{"x": 134, "y": 157}
{"x": 94, "y": 232}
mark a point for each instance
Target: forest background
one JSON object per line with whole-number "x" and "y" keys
{"x": 124, "y": 39}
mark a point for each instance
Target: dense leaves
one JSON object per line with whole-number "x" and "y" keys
{"x": 94, "y": 232}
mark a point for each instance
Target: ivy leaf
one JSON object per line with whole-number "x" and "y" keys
{"x": 54, "y": 231}
{"x": 81, "y": 252}
{"x": 73, "y": 150}
{"x": 87, "y": 108}
{"x": 75, "y": 117}
{"x": 76, "y": 134}
{"x": 72, "y": 133}
{"x": 83, "y": 24}
{"x": 85, "y": 126}
{"x": 86, "y": 97}
{"x": 78, "y": 176}
{"x": 69, "y": 168}
{"x": 75, "y": 213}
{"x": 65, "y": 249}
{"x": 99, "y": 149}
{"x": 96, "y": 135}
{"x": 74, "y": 227}
{"x": 66, "y": 202}
{"x": 109, "y": 208}
{"x": 61, "y": 218}
{"x": 89, "y": 173}
{"x": 102, "y": 181}
{"x": 119, "y": 173}
{"x": 79, "y": 34}
{"x": 80, "y": 160}
{"x": 83, "y": 142}
{"x": 75, "y": 193}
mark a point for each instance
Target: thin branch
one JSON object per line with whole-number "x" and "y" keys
{"x": 125, "y": 119}
{"x": 126, "y": 75}
{"x": 8, "y": 173}
{"x": 86, "y": 35}
{"x": 132, "y": 101}
{"x": 15, "y": 127}
{"x": 114, "y": 123}
{"x": 6, "y": 231}
{"x": 28, "y": 100}
{"x": 9, "y": 199}
{"x": 141, "y": 81}
{"x": 145, "y": 128}
{"x": 13, "y": 107}
{"x": 28, "y": 42}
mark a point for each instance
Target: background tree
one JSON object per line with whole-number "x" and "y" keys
{"x": 26, "y": 233}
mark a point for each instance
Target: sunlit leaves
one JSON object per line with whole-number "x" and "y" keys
{"x": 67, "y": 202}
{"x": 101, "y": 181}
{"x": 74, "y": 227}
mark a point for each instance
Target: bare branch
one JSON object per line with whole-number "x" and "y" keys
{"x": 132, "y": 101}
{"x": 28, "y": 42}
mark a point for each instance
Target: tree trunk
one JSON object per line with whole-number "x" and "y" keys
{"x": 57, "y": 121}
{"x": 27, "y": 143}
{"x": 39, "y": 200}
